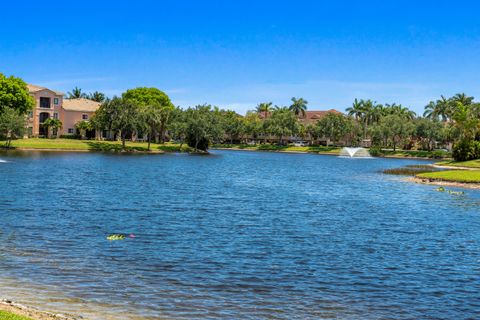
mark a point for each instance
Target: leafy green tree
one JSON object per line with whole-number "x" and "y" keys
{"x": 312, "y": 132}
{"x": 233, "y": 125}
{"x": 178, "y": 125}
{"x": 428, "y": 132}
{"x": 333, "y": 126}
{"x": 299, "y": 106}
{"x": 203, "y": 127}
{"x": 155, "y": 106}
{"x": 14, "y": 94}
{"x": 282, "y": 123}
{"x": 253, "y": 125}
{"x": 397, "y": 128}
{"x": 76, "y": 93}
{"x": 119, "y": 115}
{"x": 52, "y": 125}
{"x": 12, "y": 124}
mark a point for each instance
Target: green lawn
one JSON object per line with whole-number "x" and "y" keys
{"x": 92, "y": 145}
{"x": 273, "y": 147}
{"x": 466, "y": 164}
{"x": 4, "y": 315}
{"x": 410, "y": 153}
{"x": 467, "y": 176}
{"x": 335, "y": 150}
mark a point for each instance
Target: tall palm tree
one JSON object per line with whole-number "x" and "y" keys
{"x": 299, "y": 106}
{"x": 76, "y": 93}
{"x": 376, "y": 113}
{"x": 430, "y": 111}
{"x": 367, "y": 108}
{"x": 463, "y": 99}
{"x": 97, "y": 96}
{"x": 356, "y": 110}
{"x": 265, "y": 108}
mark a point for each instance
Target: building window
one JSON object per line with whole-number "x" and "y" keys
{"x": 55, "y": 101}
{"x": 55, "y": 115}
{"x": 85, "y": 116}
{"x": 70, "y": 130}
{"x": 44, "y": 102}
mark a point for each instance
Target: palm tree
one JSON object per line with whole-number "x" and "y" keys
{"x": 367, "y": 108}
{"x": 53, "y": 124}
{"x": 463, "y": 99}
{"x": 299, "y": 106}
{"x": 356, "y": 110}
{"x": 83, "y": 126}
{"x": 376, "y": 113}
{"x": 430, "y": 111}
{"x": 97, "y": 96}
{"x": 76, "y": 93}
{"x": 265, "y": 108}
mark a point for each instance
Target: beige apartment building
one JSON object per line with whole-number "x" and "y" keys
{"x": 52, "y": 104}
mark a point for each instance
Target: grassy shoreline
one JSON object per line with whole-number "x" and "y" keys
{"x": 10, "y": 310}
{"x": 324, "y": 150}
{"x": 465, "y": 174}
{"x": 73, "y": 145}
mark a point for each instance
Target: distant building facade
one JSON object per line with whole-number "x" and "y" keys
{"x": 52, "y": 104}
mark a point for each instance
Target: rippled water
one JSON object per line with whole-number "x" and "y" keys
{"x": 237, "y": 235}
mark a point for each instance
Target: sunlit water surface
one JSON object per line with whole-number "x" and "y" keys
{"x": 234, "y": 235}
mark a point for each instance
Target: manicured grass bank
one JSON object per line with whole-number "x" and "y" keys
{"x": 92, "y": 145}
{"x": 475, "y": 164}
{"x": 462, "y": 176}
{"x": 4, "y": 315}
{"x": 272, "y": 147}
{"x": 409, "y": 154}
{"x": 335, "y": 150}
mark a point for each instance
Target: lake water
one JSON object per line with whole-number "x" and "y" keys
{"x": 234, "y": 235}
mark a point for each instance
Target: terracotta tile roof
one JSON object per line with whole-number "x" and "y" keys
{"x": 81, "y": 104}
{"x": 34, "y": 88}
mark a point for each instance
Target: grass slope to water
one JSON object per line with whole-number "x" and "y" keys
{"x": 335, "y": 150}
{"x": 272, "y": 147}
{"x": 410, "y": 153}
{"x": 92, "y": 145}
{"x": 465, "y": 164}
{"x": 464, "y": 176}
{"x": 4, "y": 315}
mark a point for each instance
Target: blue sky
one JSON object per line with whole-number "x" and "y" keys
{"x": 236, "y": 54}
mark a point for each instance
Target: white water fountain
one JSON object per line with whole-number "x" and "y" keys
{"x": 348, "y": 152}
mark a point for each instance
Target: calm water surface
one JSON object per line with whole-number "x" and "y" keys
{"x": 234, "y": 235}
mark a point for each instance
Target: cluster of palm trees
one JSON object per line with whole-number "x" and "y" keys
{"x": 368, "y": 112}
{"x": 298, "y": 107}
{"x": 460, "y": 116}
{"x": 77, "y": 93}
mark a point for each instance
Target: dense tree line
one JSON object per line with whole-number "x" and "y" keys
{"x": 452, "y": 123}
